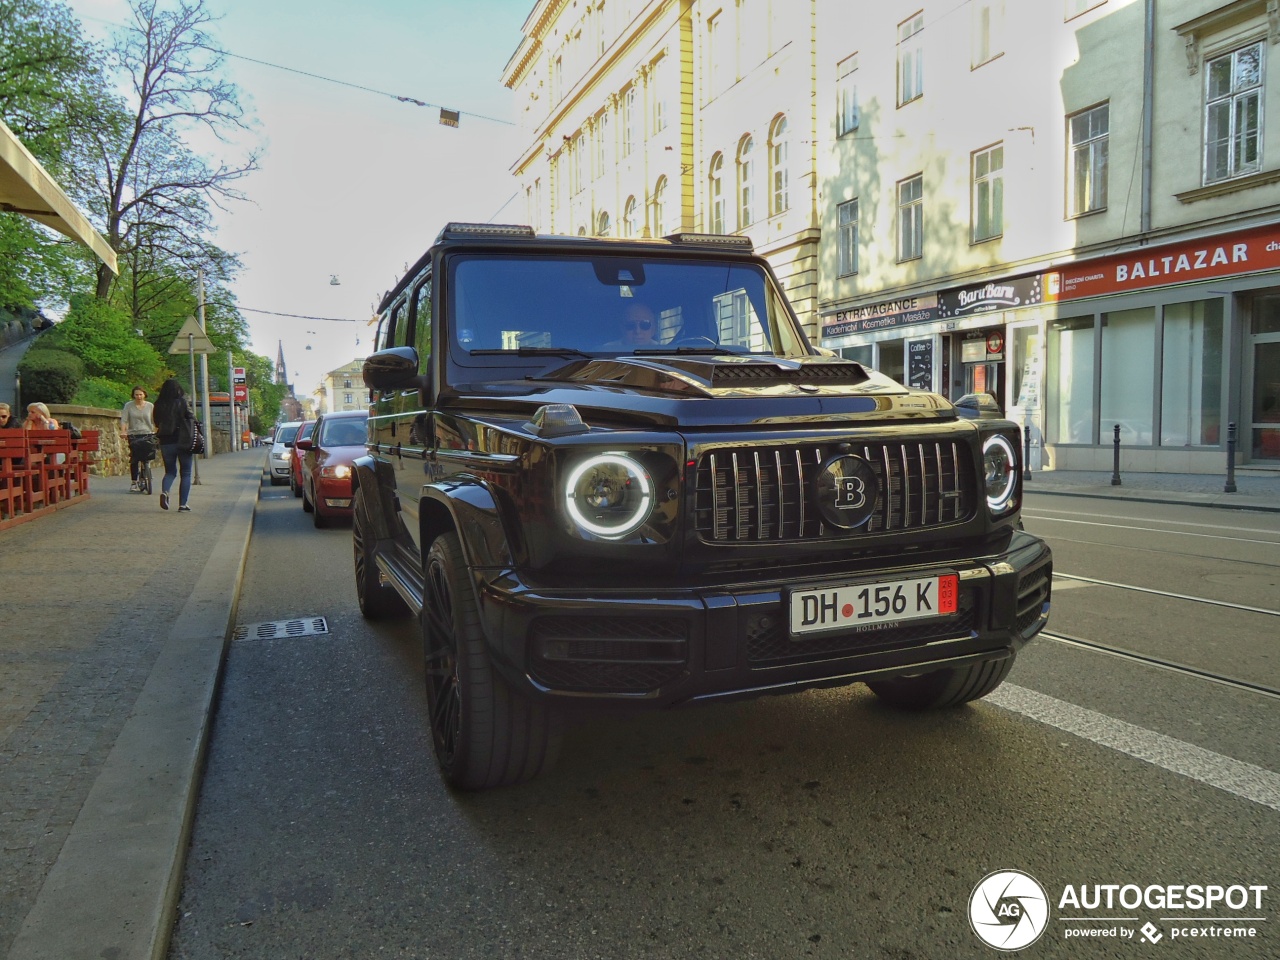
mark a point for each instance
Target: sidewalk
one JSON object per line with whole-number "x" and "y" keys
{"x": 114, "y": 619}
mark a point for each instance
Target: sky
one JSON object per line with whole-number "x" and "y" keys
{"x": 353, "y": 184}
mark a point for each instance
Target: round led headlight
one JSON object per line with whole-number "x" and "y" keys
{"x": 1000, "y": 469}
{"x": 609, "y": 495}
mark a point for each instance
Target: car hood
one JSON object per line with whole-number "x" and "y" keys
{"x": 719, "y": 390}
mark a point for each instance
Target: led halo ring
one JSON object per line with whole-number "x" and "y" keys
{"x": 1000, "y": 502}
{"x": 645, "y": 493}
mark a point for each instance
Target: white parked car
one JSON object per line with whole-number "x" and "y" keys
{"x": 279, "y": 461}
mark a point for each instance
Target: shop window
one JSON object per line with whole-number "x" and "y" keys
{"x": 1191, "y": 375}
{"x": 1128, "y": 375}
{"x": 988, "y": 193}
{"x": 1090, "y": 134}
{"x": 911, "y": 59}
{"x": 891, "y": 362}
{"x": 863, "y": 354}
{"x": 911, "y": 218}
{"x": 1069, "y": 381}
{"x": 1233, "y": 114}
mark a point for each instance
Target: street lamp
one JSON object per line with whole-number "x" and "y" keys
{"x": 17, "y": 393}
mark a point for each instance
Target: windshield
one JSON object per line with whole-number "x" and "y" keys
{"x": 343, "y": 432}
{"x": 602, "y": 305}
{"x": 287, "y": 432}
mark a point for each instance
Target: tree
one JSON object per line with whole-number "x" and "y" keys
{"x": 103, "y": 337}
{"x": 156, "y": 191}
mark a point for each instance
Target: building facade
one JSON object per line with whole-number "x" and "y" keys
{"x": 1072, "y": 205}
{"x": 645, "y": 118}
{"x": 344, "y": 389}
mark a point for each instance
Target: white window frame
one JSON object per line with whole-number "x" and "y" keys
{"x": 659, "y": 206}
{"x": 630, "y": 220}
{"x": 715, "y": 193}
{"x": 910, "y": 218}
{"x": 628, "y": 120}
{"x": 745, "y": 194}
{"x": 1243, "y": 146}
{"x": 847, "y": 234}
{"x": 1088, "y": 159}
{"x": 779, "y": 167}
{"x": 847, "y": 115}
{"x": 911, "y": 58}
{"x": 987, "y": 192}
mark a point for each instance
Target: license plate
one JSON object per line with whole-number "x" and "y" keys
{"x": 860, "y": 606}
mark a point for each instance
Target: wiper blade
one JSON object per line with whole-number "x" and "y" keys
{"x": 533, "y": 352}
{"x": 658, "y": 351}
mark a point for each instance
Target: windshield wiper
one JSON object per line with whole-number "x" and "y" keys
{"x": 533, "y": 352}
{"x": 655, "y": 351}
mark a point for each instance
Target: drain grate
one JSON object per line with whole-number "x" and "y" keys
{"x": 275, "y": 629}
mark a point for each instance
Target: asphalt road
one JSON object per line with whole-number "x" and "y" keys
{"x": 820, "y": 825}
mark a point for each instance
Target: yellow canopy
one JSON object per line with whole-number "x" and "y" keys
{"x": 26, "y": 188}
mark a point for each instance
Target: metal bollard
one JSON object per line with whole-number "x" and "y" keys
{"x": 1230, "y": 486}
{"x": 1115, "y": 465}
{"x": 1026, "y": 455}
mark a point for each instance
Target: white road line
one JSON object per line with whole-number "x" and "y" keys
{"x": 1180, "y": 533}
{"x": 1046, "y": 511}
{"x": 1165, "y": 593}
{"x": 1236, "y": 777}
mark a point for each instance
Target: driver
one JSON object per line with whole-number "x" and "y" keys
{"x": 638, "y": 329}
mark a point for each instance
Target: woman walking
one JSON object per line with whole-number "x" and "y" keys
{"x": 137, "y": 425}
{"x": 175, "y": 425}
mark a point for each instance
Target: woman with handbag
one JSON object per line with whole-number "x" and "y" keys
{"x": 176, "y": 426}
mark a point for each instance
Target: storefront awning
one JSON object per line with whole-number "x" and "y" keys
{"x": 26, "y": 188}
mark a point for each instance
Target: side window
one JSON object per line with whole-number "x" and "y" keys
{"x": 402, "y": 323}
{"x": 422, "y": 318}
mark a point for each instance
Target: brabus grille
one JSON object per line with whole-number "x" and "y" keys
{"x": 763, "y": 494}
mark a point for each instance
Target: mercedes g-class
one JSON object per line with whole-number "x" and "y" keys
{"x": 615, "y": 472}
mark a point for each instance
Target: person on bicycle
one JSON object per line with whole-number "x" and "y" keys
{"x": 137, "y": 422}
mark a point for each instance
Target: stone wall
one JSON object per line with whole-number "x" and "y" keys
{"x": 113, "y": 453}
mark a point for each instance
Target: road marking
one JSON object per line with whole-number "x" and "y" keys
{"x": 1180, "y": 533}
{"x": 1044, "y": 511}
{"x": 1236, "y": 777}
{"x": 1165, "y": 593}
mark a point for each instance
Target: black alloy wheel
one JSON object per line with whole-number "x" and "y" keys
{"x": 485, "y": 733}
{"x": 378, "y": 601}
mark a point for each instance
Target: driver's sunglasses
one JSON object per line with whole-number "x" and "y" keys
{"x": 639, "y": 324}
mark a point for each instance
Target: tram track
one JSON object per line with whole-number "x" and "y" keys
{"x": 1163, "y": 663}
{"x": 1165, "y": 593}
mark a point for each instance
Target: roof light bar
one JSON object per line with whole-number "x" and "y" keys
{"x": 487, "y": 230}
{"x": 713, "y": 240}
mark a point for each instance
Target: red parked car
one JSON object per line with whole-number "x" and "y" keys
{"x": 327, "y": 455}
{"x": 295, "y": 457}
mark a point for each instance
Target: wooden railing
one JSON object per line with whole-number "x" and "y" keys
{"x": 42, "y": 470}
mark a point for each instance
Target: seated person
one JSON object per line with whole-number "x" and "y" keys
{"x": 638, "y": 329}
{"x": 7, "y": 420}
{"x": 39, "y": 418}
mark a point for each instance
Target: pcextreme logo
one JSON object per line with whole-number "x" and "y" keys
{"x": 1010, "y": 910}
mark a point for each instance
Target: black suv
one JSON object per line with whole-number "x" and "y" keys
{"x": 616, "y": 472}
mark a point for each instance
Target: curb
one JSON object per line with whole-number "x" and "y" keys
{"x": 119, "y": 874}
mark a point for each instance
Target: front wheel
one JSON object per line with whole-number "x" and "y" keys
{"x": 485, "y": 733}
{"x": 378, "y": 601}
{"x": 943, "y": 688}
{"x": 144, "y": 479}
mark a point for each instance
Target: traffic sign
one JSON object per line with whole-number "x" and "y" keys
{"x": 241, "y": 392}
{"x": 191, "y": 338}
{"x": 237, "y": 374}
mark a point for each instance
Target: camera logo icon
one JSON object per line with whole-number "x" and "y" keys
{"x": 1008, "y": 910}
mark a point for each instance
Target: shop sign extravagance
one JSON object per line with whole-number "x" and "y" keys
{"x": 886, "y": 315}
{"x": 1006, "y": 294}
{"x": 1247, "y": 251}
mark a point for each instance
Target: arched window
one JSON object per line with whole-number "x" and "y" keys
{"x": 582, "y": 231}
{"x": 779, "y": 167}
{"x": 630, "y": 218}
{"x": 715, "y": 193}
{"x": 746, "y": 193}
{"x": 603, "y": 224}
{"x": 660, "y": 208}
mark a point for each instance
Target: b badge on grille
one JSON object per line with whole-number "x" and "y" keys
{"x": 846, "y": 491}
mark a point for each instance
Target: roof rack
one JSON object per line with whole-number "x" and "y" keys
{"x": 713, "y": 240}
{"x": 453, "y": 230}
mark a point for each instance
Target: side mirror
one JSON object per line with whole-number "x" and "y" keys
{"x": 304, "y": 445}
{"x": 395, "y": 367}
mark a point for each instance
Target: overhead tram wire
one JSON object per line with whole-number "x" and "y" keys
{"x": 414, "y": 101}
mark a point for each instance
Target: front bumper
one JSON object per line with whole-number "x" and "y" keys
{"x": 670, "y": 645}
{"x": 280, "y": 468}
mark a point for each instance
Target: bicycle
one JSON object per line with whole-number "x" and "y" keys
{"x": 144, "y": 447}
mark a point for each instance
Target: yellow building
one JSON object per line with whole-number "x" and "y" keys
{"x": 644, "y": 119}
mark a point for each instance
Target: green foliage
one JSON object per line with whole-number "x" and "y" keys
{"x": 49, "y": 375}
{"x": 99, "y": 392}
{"x": 103, "y": 337}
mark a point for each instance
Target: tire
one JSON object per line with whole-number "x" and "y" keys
{"x": 485, "y": 733}
{"x": 943, "y": 688}
{"x": 378, "y": 601}
{"x": 294, "y": 487}
{"x": 306, "y": 504}
{"x": 146, "y": 480}
{"x": 276, "y": 481}
{"x": 318, "y": 519}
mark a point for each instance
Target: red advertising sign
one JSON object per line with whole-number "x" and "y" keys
{"x": 241, "y": 392}
{"x": 1245, "y": 252}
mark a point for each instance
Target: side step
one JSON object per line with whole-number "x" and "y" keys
{"x": 405, "y": 577}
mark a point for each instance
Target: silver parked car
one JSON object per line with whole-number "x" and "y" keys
{"x": 279, "y": 460}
